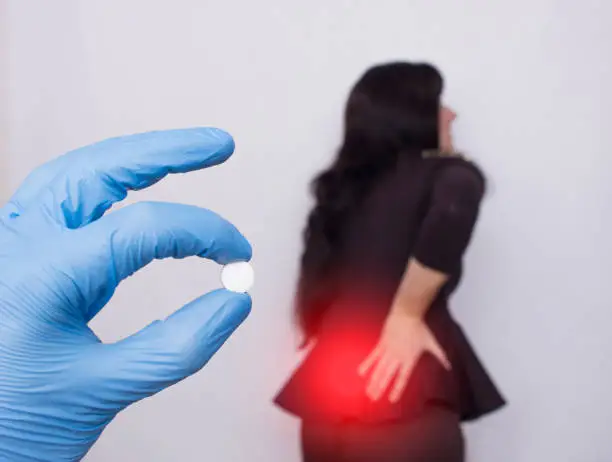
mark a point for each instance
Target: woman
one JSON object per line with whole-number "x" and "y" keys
{"x": 390, "y": 375}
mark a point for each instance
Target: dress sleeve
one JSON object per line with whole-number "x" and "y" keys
{"x": 453, "y": 210}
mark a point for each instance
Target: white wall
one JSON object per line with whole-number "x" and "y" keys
{"x": 531, "y": 81}
{"x": 4, "y": 111}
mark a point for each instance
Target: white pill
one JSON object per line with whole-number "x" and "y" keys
{"x": 238, "y": 277}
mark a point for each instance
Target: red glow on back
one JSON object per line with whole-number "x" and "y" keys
{"x": 328, "y": 385}
{"x": 338, "y": 388}
{"x": 330, "y": 376}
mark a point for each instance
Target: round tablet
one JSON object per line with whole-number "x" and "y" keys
{"x": 238, "y": 277}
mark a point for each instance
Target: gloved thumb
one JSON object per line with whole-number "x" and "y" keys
{"x": 168, "y": 351}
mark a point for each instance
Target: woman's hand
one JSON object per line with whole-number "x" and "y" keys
{"x": 403, "y": 340}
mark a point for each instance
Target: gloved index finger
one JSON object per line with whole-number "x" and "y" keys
{"x": 124, "y": 241}
{"x": 90, "y": 179}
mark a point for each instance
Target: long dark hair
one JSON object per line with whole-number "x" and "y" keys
{"x": 392, "y": 111}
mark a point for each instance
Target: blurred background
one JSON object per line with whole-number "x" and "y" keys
{"x": 531, "y": 81}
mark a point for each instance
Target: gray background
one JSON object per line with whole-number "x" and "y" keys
{"x": 531, "y": 82}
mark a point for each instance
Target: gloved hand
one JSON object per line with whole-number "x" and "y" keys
{"x": 60, "y": 262}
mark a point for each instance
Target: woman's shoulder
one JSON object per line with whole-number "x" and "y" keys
{"x": 456, "y": 169}
{"x": 434, "y": 169}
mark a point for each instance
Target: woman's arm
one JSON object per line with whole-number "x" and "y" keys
{"x": 418, "y": 289}
{"x": 443, "y": 238}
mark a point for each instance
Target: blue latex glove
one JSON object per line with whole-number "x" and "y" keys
{"x": 60, "y": 262}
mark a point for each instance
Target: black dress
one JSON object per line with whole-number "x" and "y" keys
{"x": 426, "y": 209}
